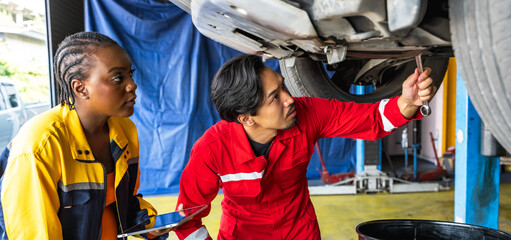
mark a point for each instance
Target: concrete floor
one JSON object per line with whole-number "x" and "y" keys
{"x": 339, "y": 215}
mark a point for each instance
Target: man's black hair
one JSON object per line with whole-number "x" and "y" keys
{"x": 236, "y": 88}
{"x": 73, "y": 60}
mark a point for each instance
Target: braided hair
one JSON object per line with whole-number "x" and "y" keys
{"x": 73, "y": 60}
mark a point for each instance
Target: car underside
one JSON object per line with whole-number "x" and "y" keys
{"x": 343, "y": 43}
{"x": 326, "y": 47}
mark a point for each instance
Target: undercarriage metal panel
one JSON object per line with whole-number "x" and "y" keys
{"x": 242, "y": 24}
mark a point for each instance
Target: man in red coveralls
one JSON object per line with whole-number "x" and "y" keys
{"x": 258, "y": 154}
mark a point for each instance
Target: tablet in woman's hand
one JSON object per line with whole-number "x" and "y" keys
{"x": 169, "y": 220}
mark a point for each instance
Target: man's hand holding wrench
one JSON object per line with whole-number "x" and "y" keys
{"x": 417, "y": 90}
{"x": 425, "y": 109}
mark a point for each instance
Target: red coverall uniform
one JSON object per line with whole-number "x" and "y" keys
{"x": 269, "y": 198}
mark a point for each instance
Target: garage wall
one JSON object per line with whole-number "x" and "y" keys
{"x": 174, "y": 68}
{"x": 433, "y": 124}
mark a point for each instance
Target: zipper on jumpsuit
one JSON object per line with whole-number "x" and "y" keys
{"x": 115, "y": 197}
{"x": 104, "y": 199}
{"x": 116, "y": 204}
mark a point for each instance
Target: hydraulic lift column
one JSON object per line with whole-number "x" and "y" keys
{"x": 477, "y": 178}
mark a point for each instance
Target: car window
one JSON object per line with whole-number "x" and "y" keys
{"x": 12, "y": 96}
{"x": 13, "y": 100}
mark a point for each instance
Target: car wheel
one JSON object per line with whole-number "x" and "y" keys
{"x": 307, "y": 77}
{"x": 482, "y": 44}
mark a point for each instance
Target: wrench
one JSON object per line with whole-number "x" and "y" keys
{"x": 425, "y": 109}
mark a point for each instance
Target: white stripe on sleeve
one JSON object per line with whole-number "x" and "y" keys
{"x": 199, "y": 234}
{"x": 387, "y": 125}
{"x": 242, "y": 176}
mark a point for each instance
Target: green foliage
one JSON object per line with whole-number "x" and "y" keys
{"x": 5, "y": 69}
{"x": 6, "y": 16}
{"x": 32, "y": 83}
{"x": 33, "y": 86}
{"x": 31, "y": 74}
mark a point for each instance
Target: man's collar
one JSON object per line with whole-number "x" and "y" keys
{"x": 241, "y": 145}
{"x": 283, "y": 134}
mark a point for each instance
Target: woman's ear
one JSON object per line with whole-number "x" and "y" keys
{"x": 79, "y": 89}
{"x": 245, "y": 119}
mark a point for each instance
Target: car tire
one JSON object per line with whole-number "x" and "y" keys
{"x": 306, "y": 77}
{"x": 482, "y": 43}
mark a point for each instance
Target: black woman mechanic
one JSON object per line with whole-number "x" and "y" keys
{"x": 72, "y": 172}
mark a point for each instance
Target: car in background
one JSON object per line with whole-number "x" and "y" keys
{"x": 326, "y": 47}
{"x": 13, "y": 111}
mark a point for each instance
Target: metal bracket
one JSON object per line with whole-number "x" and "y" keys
{"x": 335, "y": 54}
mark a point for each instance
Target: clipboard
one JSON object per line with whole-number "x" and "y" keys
{"x": 168, "y": 220}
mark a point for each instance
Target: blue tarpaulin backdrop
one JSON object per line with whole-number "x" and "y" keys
{"x": 174, "y": 67}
